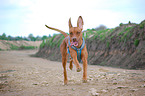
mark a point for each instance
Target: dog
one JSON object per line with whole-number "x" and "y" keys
{"x": 74, "y": 45}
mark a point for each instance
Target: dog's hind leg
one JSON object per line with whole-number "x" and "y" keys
{"x": 63, "y": 49}
{"x": 64, "y": 60}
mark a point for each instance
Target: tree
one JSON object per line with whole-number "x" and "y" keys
{"x": 38, "y": 38}
{"x": 3, "y": 37}
{"x": 11, "y": 38}
{"x": 44, "y": 37}
{"x": 31, "y": 37}
{"x": 121, "y": 24}
{"x": 101, "y": 27}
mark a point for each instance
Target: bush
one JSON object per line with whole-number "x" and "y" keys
{"x": 22, "y": 47}
{"x": 108, "y": 43}
{"x": 142, "y": 25}
{"x": 13, "y": 47}
{"x": 42, "y": 44}
{"x": 26, "y": 47}
{"x": 121, "y": 24}
{"x": 136, "y": 42}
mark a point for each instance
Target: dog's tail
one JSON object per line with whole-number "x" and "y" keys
{"x": 65, "y": 34}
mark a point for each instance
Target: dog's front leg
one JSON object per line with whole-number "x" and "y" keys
{"x": 85, "y": 64}
{"x": 75, "y": 60}
{"x": 84, "y": 69}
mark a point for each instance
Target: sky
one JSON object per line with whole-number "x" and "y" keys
{"x": 22, "y": 17}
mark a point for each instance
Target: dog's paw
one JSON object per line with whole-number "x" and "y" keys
{"x": 79, "y": 69}
{"x": 65, "y": 82}
{"x": 70, "y": 66}
{"x": 84, "y": 81}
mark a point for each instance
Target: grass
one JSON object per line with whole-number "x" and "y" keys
{"x": 51, "y": 42}
{"x": 27, "y": 47}
{"x": 111, "y": 36}
{"x": 142, "y": 25}
{"x": 88, "y": 33}
{"x": 22, "y": 47}
{"x": 136, "y": 42}
{"x": 42, "y": 44}
{"x": 13, "y": 47}
{"x": 60, "y": 40}
{"x": 125, "y": 34}
{"x": 127, "y": 29}
{"x": 101, "y": 34}
{"x": 108, "y": 43}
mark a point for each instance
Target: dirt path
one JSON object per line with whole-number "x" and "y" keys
{"x": 22, "y": 75}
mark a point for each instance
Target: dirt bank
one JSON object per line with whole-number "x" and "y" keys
{"x": 22, "y": 75}
{"x": 7, "y": 45}
{"x": 120, "y": 47}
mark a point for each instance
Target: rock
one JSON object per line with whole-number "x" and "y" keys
{"x": 121, "y": 87}
{"x": 73, "y": 89}
{"x": 114, "y": 83}
{"x": 104, "y": 91}
{"x": 93, "y": 92}
{"x": 133, "y": 90}
{"x": 143, "y": 86}
{"x": 34, "y": 84}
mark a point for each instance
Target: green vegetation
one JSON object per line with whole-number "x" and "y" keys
{"x": 26, "y": 47}
{"x": 42, "y": 44}
{"x": 126, "y": 33}
{"x": 142, "y": 25}
{"x": 13, "y": 47}
{"x": 60, "y": 40}
{"x": 103, "y": 63}
{"x": 57, "y": 41}
{"x": 136, "y": 42}
{"x": 108, "y": 43}
{"x": 121, "y": 24}
{"x": 29, "y": 38}
{"x": 101, "y": 33}
{"x": 53, "y": 41}
{"x": 22, "y": 47}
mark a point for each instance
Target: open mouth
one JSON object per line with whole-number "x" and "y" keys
{"x": 74, "y": 43}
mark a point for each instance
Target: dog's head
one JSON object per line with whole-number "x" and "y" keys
{"x": 75, "y": 33}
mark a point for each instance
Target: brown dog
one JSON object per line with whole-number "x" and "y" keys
{"x": 74, "y": 44}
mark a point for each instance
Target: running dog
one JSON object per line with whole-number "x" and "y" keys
{"x": 74, "y": 45}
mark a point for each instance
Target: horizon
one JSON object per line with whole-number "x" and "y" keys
{"x": 66, "y": 32}
{"x": 24, "y": 17}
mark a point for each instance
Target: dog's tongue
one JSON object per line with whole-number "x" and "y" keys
{"x": 74, "y": 43}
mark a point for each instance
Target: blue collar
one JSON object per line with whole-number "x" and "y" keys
{"x": 79, "y": 50}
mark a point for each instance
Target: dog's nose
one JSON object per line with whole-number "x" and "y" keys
{"x": 74, "y": 39}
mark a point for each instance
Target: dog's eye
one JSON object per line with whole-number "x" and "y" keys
{"x": 71, "y": 33}
{"x": 78, "y": 33}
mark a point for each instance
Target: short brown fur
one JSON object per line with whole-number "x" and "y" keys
{"x": 74, "y": 33}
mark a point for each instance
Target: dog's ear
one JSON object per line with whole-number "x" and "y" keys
{"x": 69, "y": 23}
{"x": 80, "y": 22}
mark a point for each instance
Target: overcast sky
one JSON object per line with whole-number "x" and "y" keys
{"x": 22, "y": 17}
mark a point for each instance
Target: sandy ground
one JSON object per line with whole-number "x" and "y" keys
{"x": 23, "y": 75}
